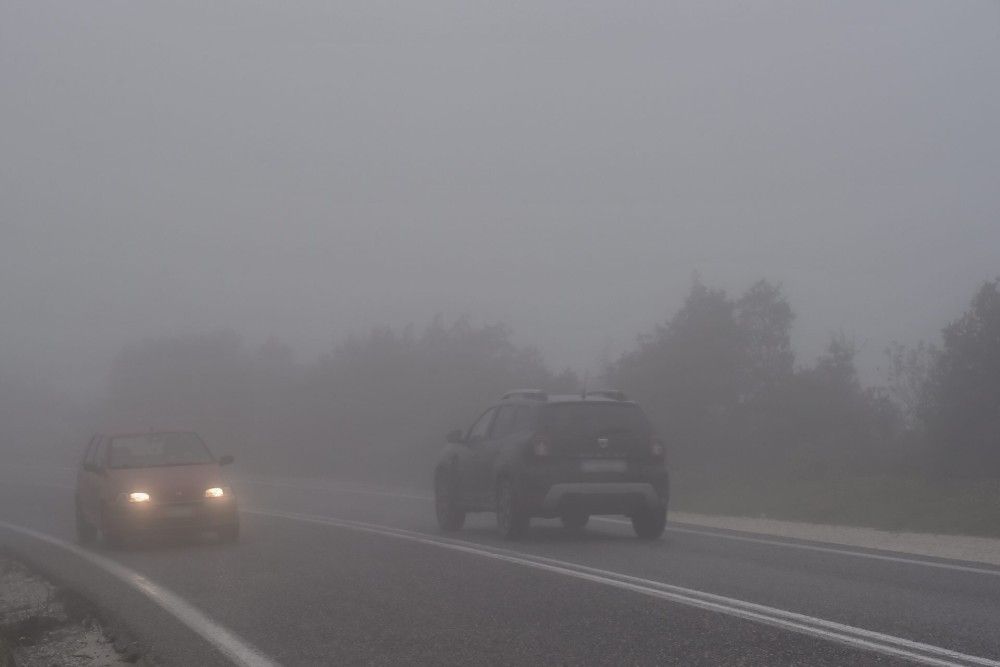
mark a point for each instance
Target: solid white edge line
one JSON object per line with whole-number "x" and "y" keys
{"x": 225, "y": 641}
{"x": 801, "y": 623}
{"x": 820, "y": 549}
{"x": 840, "y": 551}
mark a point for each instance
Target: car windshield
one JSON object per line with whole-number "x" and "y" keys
{"x": 594, "y": 419}
{"x": 157, "y": 449}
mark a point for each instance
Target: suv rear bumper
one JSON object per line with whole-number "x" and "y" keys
{"x": 613, "y": 495}
{"x": 600, "y": 498}
{"x": 555, "y": 492}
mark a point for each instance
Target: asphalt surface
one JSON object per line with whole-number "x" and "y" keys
{"x": 306, "y": 591}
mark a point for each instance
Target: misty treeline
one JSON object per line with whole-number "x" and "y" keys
{"x": 377, "y": 405}
{"x": 719, "y": 379}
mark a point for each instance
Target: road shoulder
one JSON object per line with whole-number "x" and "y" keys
{"x": 952, "y": 547}
{"x": 42, "y": 623}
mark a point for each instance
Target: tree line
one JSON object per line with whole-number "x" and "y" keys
{"x": 719, "y": 379}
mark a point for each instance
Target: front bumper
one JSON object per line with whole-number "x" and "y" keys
{"x": 170, "y": 517}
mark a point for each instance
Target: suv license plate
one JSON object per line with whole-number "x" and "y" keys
{"x": 603, "y": 465}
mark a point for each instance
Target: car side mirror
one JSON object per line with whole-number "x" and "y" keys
{"x": 456, "y": 437}
{"x": 226, "y": 460}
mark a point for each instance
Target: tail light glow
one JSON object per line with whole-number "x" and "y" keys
{"x": 656, "y": 448}
{"x": 541, "y": 447}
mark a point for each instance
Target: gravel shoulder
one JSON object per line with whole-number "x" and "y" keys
{"x": 955, "y": 547}
{"x": 42, "y": 624}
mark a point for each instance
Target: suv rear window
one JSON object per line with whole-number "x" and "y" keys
{"x": 158, "y": 449}
{"x": 594, "y": 419}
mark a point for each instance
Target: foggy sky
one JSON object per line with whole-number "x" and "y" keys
{"x": 310, "y": 169}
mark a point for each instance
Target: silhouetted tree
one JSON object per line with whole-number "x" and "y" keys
{"x": 689, "y": 374}
{"x": 719, "y": 379}
{"x": 962, "y": 402}
{"x": 909, "y": 370}
{"x": 838, "y": 426}
{"x": 765, "y": 321}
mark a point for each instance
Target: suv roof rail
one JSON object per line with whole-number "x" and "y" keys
{"x": 527, "y": 394}
{"x": 613, "y": 394}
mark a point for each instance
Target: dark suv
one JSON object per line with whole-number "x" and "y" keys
{"x": 566, "y": 456}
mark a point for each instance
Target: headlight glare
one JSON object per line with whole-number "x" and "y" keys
{"x": 215, "y": 492}
{"x": 138, "y": 497}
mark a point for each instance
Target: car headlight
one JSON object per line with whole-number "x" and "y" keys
{"x": 218, "y": 492}
{"x": 138, "y": 497}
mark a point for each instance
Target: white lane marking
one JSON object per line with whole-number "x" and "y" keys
{"x": 678, "y": 529}
{"x": 813, "y": 547}
{"x": 795, "y": 622}
{"x": 225, "y": 641}
{"x": 339, "y": 488}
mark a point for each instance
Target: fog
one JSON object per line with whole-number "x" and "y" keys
{"x": 465, "y": 332}
{"x": 311, "y": 170}
{"x": 201, "y": 199}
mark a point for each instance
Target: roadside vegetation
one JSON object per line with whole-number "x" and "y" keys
{"x": 887, "y": 502}
{"x": 750, "y": 429}
{"x": 42, "y": 625}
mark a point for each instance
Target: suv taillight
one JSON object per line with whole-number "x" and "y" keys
{"x": 540, "y": 446}
{"x": 656, "y": 449}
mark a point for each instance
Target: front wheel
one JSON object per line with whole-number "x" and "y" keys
{"x": 113, "y": 537}
{"x": 85, "y": 531}
{"x": 511, "y": 517}
{"x": 649, "y": 524}
{"x": 450, "y": 516}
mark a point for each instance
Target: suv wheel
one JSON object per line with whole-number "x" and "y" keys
{"x": 511, "y": 517}
{"x": 85, "y": 531}
{"x": 574, "y": 520}
{"x": 450, "y": 516}
{"x": 650, "y": 523}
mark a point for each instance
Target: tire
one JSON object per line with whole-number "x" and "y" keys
{"x": 229, "y": 533}
{"x": 113, "y": 539}
{"x": 450, "y": 516}
{"x": 575, "y": 521}
{"x": 512, "y": 520}
{"x": 649, "y": 524}
{"x": 86, "y": 533}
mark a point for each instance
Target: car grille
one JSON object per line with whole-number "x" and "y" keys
{"x": 182, "y": 494}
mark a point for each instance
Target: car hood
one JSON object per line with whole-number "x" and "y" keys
{"x": 168, "y": 483}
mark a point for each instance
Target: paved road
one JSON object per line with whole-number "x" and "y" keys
{"x": 346, "y": 574}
